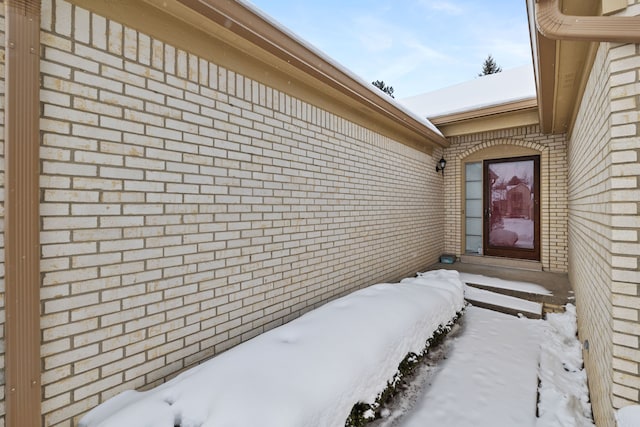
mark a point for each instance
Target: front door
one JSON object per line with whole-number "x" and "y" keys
{"x": 512, "y": 207}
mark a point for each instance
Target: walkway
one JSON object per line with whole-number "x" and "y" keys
{"x": 488, "y": 376}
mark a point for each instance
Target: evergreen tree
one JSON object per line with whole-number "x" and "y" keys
{"x": 489, "y": 66}
{"x": 386, "y": 89}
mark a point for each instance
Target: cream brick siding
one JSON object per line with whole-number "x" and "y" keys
{"x": 590, "y": 234}
{"x": 553, "y": 192}
{"x": 2, "y": 287}
{"x": 186, "y": 208}
{"x": 603, "y": 226}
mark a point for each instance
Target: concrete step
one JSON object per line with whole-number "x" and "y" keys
{"x": 503, "y": 303}
{"x": 517, "y": 293}
{"x": 553, "y": 290}
{"x": 490, "y": 261}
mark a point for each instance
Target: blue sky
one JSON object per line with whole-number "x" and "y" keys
{"x": 415, "y": 46}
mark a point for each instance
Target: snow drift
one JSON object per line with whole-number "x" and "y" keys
{"x": 308, "y": 372}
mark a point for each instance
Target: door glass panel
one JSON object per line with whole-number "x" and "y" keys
{"x": 474, "y": 226}
{"x": 474, "y": 206}
{"x": 474, "y": 171}
{"x": 474, "y": 190}
{"x": 473, "y": 237}
{"x": 511, "y": 190}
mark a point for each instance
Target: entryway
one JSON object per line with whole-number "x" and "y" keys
{"x": 502, "y": 215}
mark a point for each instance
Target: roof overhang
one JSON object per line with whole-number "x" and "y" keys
{"x": 501, "y": 116}
{"x": 240, "y": 35}
{"x": 564, "y": 37}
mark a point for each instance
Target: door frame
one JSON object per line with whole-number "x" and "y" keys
{"x": 504, "y": 251}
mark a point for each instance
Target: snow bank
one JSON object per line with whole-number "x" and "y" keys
{"x": 629, "y": 416}
{"x": 309, "y": 372}
{"x": 564, "y": 396}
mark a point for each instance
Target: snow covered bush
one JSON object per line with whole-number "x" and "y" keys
{"x": 362, "y": 413}
{"x": 309, "y": 372}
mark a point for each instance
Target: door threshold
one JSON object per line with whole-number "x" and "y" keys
{"x": 492, "y": 261}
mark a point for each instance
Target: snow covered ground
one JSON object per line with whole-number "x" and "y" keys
{"x": 312, "y": 371}
{"x": 486, "y": 376}
{"x": 478, "y": 385}
{"x": 564, "y": 397}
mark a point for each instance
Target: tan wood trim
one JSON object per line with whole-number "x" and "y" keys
{"x": 485, "y": 124}
{"x": 580, "y": 88}
{"x": 546, "y": 77}
{"x": 22, "y": 251}
{"x": 507, "y": 107}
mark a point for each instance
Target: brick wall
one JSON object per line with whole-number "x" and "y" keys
{"x": 589, "y": 235}
{"x": 186, "y": 208}
{"x": 603, "y": 227}
{"x": 553, "y": 213}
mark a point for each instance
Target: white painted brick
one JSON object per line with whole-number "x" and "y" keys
{"x": 95, "y": 260}
{"x": 99, "y": 82}
{"x": 99, "y": 56}
{"x": 121, "y": 173}
{"x": 136, "y": 92}
{"x": 124, "y": 101}
{"x": 55, "y": 70}
{"x": 99, "y": 33}
{"x": 94, "y": 387}
{"x": 49, "y": 251}
{"x": 57, "y": 84}
{"x": 115, "y": 35}
{"x": 82, "y": 25}
{"x": 46, "y": 16}
{"x": 624, "y": 235}
{"x": 96, "y": 133}
{"x": 63, "y": 17}
{"x": 130, "y": 44}
{"x": 85, "y": 312}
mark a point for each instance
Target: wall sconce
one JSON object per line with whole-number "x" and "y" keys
{"x": 441, "y": 165}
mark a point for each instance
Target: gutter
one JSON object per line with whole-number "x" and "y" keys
{"x": 242, "y": 20}
{"x": 553, "y": 24}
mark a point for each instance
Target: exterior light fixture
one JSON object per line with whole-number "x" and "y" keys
{"x": 441, "y": 165}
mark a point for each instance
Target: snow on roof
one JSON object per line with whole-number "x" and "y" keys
{"x": 511, "y": 85}
{"x": 338, "y": 66}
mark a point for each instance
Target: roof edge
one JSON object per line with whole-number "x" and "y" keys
{"x": 255, "y": 27}
{"x": 490, "y": 110}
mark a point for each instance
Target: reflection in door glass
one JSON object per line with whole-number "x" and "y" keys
{"x": 512, "y": 204}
